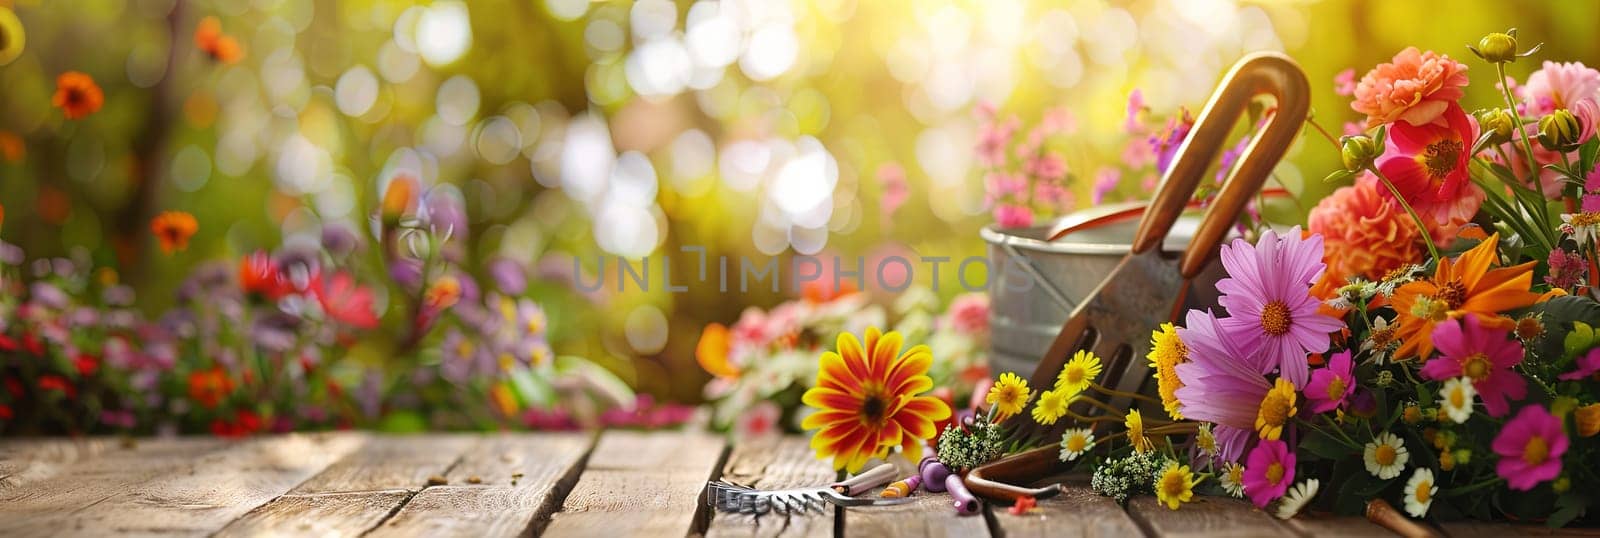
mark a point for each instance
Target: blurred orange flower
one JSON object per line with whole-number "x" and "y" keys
{"x": 221, "y": 47}
{"x": 77, "y": 95}
{"x": 11, "y": 147}
{"x": 173, "y": 229}
{"x": 712, "y": 352}
{"x": 867, "y": 400}
{"x": 399, "y": 198}
{"x": 209, "y": 387}
{"x": 1465, "y": 286}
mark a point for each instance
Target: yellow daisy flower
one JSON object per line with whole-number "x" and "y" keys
{"x": 1078, "y": 374}
{"x": 1277, "y": 407}
{"x": 1135, "y": 423}
{"x": 1205, "y": 440}
{"x": 1176, "y": 485}
{"x": 1167, "y": 351}
{"x": 1051, "y": 406}
{"x": 1008, "y": 395}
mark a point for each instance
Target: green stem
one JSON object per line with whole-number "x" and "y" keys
{"x": 1114, "y": 392}
{"x": 1331, "y": 140}
{"x": 1427, "y": 238}
{"x": 1463, "y": 490}
{"x": 1511, "y": 104}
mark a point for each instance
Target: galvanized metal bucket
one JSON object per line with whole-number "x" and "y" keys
{"x": 1034, "y": 284}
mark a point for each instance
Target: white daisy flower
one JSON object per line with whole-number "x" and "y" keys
{"x": 1233, "y": 479}
{"x": 1386, "y": 456}
{"x": 1297, "y": 498}
{"x": 1381, "y": 341}
{"x": 1076, "y": 442}
{"x": 1583, "y": 227}
{"x": 1456, "y": 399}
{"x": 1419, "y": 492}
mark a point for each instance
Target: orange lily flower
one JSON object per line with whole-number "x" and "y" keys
{"x": 1464, "y": 286}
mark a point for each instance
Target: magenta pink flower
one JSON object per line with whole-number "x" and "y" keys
{"x": 1013, "y": 216}
{"x": 1530, "y": 448}
{"x": 1567, "y": 269}
{"x": 1268, "y": 471}
{"x": 1224, "y": 379}
{"x": 1485, "y": 355}
{"x": 993, "y": 138}
{"x": 1587, "y": 366}
{"x": 968, "y": 314}
{"x": 1131, "y": 123}
{"x": 1269, "y": 302}
{"x": 1166, "y": 142}
{"x": 1330, "y": 386}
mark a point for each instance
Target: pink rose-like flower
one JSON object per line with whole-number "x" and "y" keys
{"x": 1415, "y": 86}
{"x": 968, "y": 313}
{"x": 1484, "y": 355}
{"x": 1558, "y": 85}
{"x": 1268, "y": 471}
{"x": 1013, "y": 216}
{"x": 1530, "y": 448}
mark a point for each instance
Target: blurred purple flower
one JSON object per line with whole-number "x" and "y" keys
{"x": 1105, "y": 181}
{"x": 509, "y": 276}
{"x": 444, "y": 213}
{"x": 48, "y": 295}
{"x": 406, "y": 271}
{"x": 340, "y": 240}
{"x": 275, "y": 331}
{"x": 11, "y": 254}
{"x": 1166, "y": 142}
{"x": 118, "y": 418}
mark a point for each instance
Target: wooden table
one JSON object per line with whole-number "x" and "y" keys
{"x": 614, "y": 483}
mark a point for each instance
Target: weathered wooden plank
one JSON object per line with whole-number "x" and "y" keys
{"x": 1335, "y": 526}
{"x": 1483, "y": 529}
{"x": 503, "y": 486}
{"x": 390, "y": 462}
{"x": 641, "y": 484}
{"x": 29, "y": 460}
{"x": 775, "y": 463}
{"x": 203, "y": 496}
{"x": 1205, "y": 516}
{"x": 929, "y": 514}
{"x": 1077, "y": 511}
{"x": 49, "y": 488}
{"x": 322, "y": 514}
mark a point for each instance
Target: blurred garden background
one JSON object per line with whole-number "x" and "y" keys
{"x": 525, "y": 133}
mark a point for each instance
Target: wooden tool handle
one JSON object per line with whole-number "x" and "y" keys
{"x": 994, "y": 480}
{"x": 1257, "y": 74}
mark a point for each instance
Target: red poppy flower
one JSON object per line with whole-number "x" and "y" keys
{"x": 1428, "y": 162}
{"x": 86, "y": 364}
{"x": 259, "y": 275}
{"x": 55, "y": 382}
{"x": 7, "y": 343}
{"x": 5, "y": 412}
{"x": 209, "y": 387}
{"x": 208, "y": 37}
{"x": 32, "y": 344}
{"x": 77, "y": 95}
{"x": 244, "y": 423}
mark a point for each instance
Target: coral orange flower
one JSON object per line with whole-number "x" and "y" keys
{"x": 221, "y": 47}
{"x": 1415, "y": 86}
{"x": 173, "y": 229}
{"x": 1464, "y": 286}
{"x": 712, "y": 352}
{"x": 77, "y": 95}
{"x": 867, "y": 400}
{"x": 1364, "y": 233}
{"x": 260, "y": 276}
{"x": 11, "y": 147}
{"x": 209, "y": 387}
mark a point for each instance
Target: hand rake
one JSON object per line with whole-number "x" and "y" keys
{"x": 1148, "y": 287}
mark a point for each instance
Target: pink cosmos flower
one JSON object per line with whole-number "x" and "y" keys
{"x": 1485, "y": 355}
{"x": 895, "y": 190}
{"x": 993, "y": 138}
{"x": 1530, "y": 448}
{"x": 1105, "y": 181}
{"x": 1558, "y": 85}
{"x": 1224, "y": 380}
{"x": 1268, "y": 298}
{"x": 1428, "y": 163}
{"x": 1137, "y": 154}
{"x": 1058, "y": 120}
{"x": 1013, "y": 216}
{"x": 1415, "y": 86}
{"x": 1344, "y": 83}
{"x": 1330, "y": 386}
{"x": 1268, "y": 471}
{"x": 760, "y": 420}
{"x": 1046, "y": 166}
{"x": 1170, "y": 138}
{"x": 1053, "y": 194}
{"x": 1130, "y": 122}
{"x": 1587, "y": 366}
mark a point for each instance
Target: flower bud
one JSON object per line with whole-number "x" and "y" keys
{"x": 1447, "y": 461}
{"x": 1559, "y": 131}
{"x": 1561, "y": 485}
{"x": 1358, "y": 152}
{"x": 1498, "y": 48}
{"x": 1587, "y": 419}
{"x": 1498, "y": 123}
{"x": 1412, "y": 414}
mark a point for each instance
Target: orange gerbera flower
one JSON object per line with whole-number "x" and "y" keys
{"x": 77, "y": 95}
{"x": 867, "y": 400}
{"x": 209, "y": 387}
{"x": 712, "y": 352}
{"x": 173, "y": 229}
{"x": 1465, "y": 286}
{"x": 221, "y": 47}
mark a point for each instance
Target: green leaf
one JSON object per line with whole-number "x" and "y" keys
{"x": 1339, "y": 176}
{"x": 1569, "y": 506}
{"x": 532, "y": 390}
{"x": 1560, "y": 315}
{"x": 1324, "y": 446}
{"x": 402, "y": 422}
{"x": 604, "y": 383}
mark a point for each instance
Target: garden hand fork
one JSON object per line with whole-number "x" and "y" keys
{"x": 1148, "y": 287}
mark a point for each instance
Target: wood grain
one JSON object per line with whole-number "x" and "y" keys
{"x": 1334, "y": 526}
{"x": 929, "y": 514}
{"x": 775, "y": 463}
{"x": 29, "y": 460}
{"x": 649, "y": 484}
{"x": 48, "y": 488}
{"x": 202, "y": 496}
{"x": 1206, "y": 516}
{"x": 390, "y": 462}
{"x": 520, "y": 481}
{"x": 1077, "y": 511}
{"x": 323, "y": 514}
